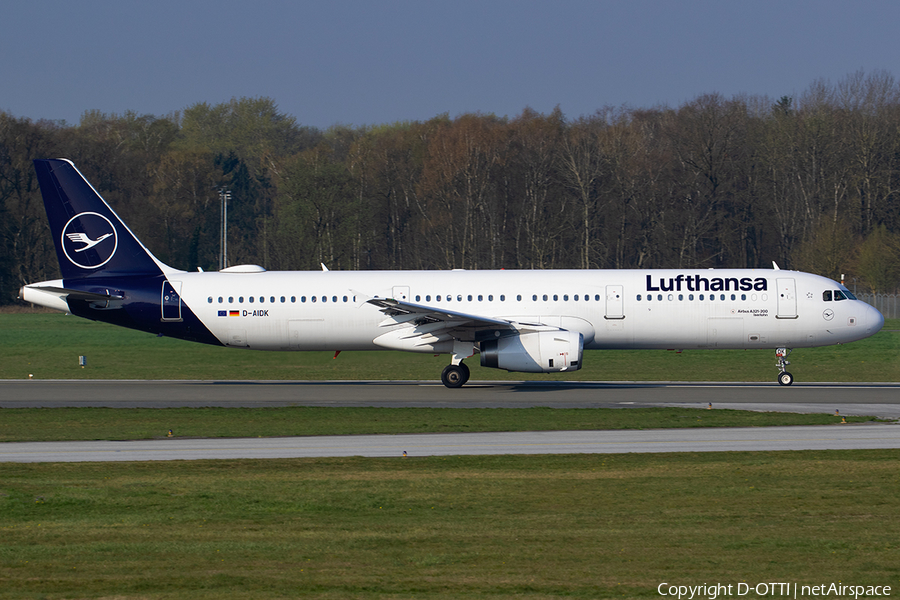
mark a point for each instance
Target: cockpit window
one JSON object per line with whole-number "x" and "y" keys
{"x": 839, "y": 295}
{"x": 849, "y": 295}
{"x": 826, "y": 295}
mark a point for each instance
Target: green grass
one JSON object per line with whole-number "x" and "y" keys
{"x": 47, "y": 424}
{"x": 585, "y": 526}
{"x": 47, "y": 345}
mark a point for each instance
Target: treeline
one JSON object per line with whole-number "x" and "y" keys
{"x": 809, "y": 182}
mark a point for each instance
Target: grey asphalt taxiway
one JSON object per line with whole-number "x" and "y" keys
{"x": 881, "y": 400}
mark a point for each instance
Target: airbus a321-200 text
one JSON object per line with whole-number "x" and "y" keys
{"x": 524, "y": 321}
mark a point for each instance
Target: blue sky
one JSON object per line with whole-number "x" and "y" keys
{"x": 363, "y": 63}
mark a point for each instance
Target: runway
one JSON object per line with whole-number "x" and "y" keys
{"x": 855, "y": 398}
{"x": 829, "y": 437}
{"x": 869, "y": 399}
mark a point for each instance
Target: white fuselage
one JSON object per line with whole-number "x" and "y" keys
{"x": 667, "y": 309}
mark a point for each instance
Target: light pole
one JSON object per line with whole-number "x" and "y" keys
{"x": 224, "y": 197}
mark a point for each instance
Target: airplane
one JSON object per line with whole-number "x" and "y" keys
{"x": 532, "y": 321}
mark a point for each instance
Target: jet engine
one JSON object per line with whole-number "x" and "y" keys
{"x": 535, "y": 352}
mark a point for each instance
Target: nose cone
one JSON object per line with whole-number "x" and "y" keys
{"x": 874, "y": 320}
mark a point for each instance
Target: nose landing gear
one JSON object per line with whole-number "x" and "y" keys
{"x": 784, "y": 378}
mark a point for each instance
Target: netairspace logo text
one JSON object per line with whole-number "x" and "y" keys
{"x": 777, "y": 589}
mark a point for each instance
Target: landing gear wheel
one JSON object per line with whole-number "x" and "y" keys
{"x": 784, "y": 378}
{"x": 455, "y": 376}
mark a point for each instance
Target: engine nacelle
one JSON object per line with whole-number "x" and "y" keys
{"x": 536, "y": 352}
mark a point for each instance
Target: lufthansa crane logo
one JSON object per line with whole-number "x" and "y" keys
{"x": 89, "y": 240}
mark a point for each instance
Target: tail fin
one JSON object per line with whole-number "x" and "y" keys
{"x": 91, "y": 240}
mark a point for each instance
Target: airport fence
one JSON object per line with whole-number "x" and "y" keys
{"x": 888, "y": 304}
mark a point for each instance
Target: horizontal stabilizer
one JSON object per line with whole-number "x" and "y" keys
{"x": 76, "y": 294}
{"x": 52, "y": 294}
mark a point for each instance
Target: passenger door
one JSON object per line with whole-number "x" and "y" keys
{"x": 787, "y": 298}
{"x": 170, "y": 301}
{"x": 615, "y": 302}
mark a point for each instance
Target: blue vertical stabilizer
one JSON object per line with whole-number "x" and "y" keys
{"x": 90, "y": 239}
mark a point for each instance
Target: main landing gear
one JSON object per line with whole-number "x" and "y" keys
{"x": 455, "y": 376}
{"x": 784, "y": 378}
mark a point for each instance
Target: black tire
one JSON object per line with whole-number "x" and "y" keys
{"x": 465, "y": 369}
{"x": 785, "y": 378}
{"x": 454, "y": 376}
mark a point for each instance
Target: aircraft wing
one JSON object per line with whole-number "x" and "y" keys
{"x": 430, "y": 325}
{"x": 419, "y": 314}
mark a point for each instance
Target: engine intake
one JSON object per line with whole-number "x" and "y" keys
{"x": 537, "y": 352}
